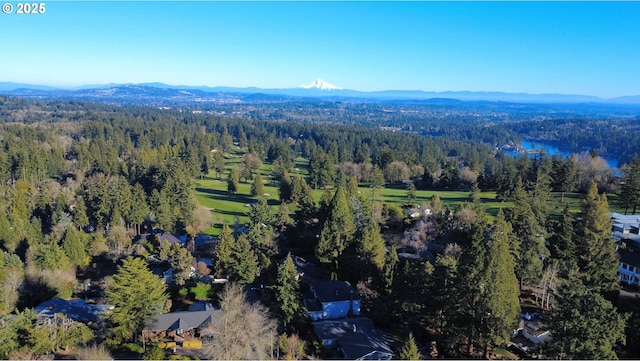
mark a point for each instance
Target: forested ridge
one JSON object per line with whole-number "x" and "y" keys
{"x": 80, "y": 181}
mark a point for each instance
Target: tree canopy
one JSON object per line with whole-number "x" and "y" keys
{"x": 137, "y": 294}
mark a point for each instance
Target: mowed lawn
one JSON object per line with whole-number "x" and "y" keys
{"x": 227, "y": 208}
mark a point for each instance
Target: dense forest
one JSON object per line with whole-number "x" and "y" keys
{"x": 82, "y": 181}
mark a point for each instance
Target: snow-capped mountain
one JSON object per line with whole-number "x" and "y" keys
{"x": 320, "y": 84}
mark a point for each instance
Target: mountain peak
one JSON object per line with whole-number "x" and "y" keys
{"x": 320, "y": 84}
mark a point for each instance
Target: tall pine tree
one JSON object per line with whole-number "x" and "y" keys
{"x": 562, "y": 246}
{"x": 500, "y": 302}
{"x": 596, "y": 249}
{"x": 337, "y": 231}
{"x": 287, "y": 291}
{"x": 529, "y": 235}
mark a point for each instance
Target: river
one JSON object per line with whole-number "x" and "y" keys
{"x": 528, "y": 145}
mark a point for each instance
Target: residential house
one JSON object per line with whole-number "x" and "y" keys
{"x": 352, "y": 338}
{"x": 77, "y": 310}
{"x": 535, "y": 331}
{"x": 625, "y": 223}
{"x": 629, "y": 269}
{"x": 172, "y": 239}
{"x": 179, "y": 326}
{"x": 626, "y": 227}
{"x": 328, "y": 300}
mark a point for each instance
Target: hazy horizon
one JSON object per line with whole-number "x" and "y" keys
{"x": 570, "y": 48}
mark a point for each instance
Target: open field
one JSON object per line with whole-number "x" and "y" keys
{"x": 212, "y": 193}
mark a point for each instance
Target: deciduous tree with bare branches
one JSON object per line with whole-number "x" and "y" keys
{"x": 248, "y": 332}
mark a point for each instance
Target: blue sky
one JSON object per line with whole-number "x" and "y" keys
{"x": 590, "y": 48}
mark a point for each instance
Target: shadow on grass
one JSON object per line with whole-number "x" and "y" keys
{"x": 443, "y": 198}
{"x": 226, "y": 196}
{"x": 230, "y": 213}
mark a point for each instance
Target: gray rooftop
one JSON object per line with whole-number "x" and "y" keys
{"x": 356, "y": 337}
{"x": 187, "y": 320}
{"x": 77, "y": 310}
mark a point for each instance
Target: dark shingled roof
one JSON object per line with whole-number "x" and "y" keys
{"x": 629, "y": 257}
{"x": 311, "y": 303}
{"x": 202, "y": 306}
{"x": 331, "y": 291}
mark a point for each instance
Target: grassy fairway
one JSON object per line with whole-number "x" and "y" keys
{"x": 212, "y": 193}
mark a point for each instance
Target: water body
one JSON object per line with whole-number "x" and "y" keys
{"x": 529, "y": 145}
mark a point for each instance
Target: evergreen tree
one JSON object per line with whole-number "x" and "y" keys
{"x": 260, "y": 214}
{"x": 75, "y": 248}
{"x": 233, "y": 181}
{"x": 529, "y": 236}
{"x": 260, "y": 234}
{"x": 121, "y": 197}
{"x": 595, "y": 247}
{"x": 324, "y": 206}
{"x": 51, "y": 257}
{"x": 181, "y": 261}
{"x": 562, "y": 246}
{"x": 410, "y": 350}
{"x": 138, "y": 296}
{"x": 389, "y": 271}
{"x": 285, "y": 187}
{"x": 80, "y": 218}
{"x": 244, "y": 264}
{"x": 411, "y": 194}
{"x": 8, "y": 239}
{"x": 444, "y": 297}
{"x": 217, "y": 159}
{"x": 500, "y": 301}
{"x": 371, "y": 249}
{"x": 139, "y": 207}
{"x": 630, "y": 185}
{"x": 584, "y": 325}
{"x": 471, "y": 278}
{"x": 283, "y": 218}
{"x": 352, "y": 187}
{"x": 257, "y": 187}
{"x": 303, "y": 198}
{"x": 563, "y": 174}
{"x": 287, "y": 291}
{"x": 337, "y": 231}
{"x": 540, "y": 194}
{"x": 436, "y": 204}
{"x": 506, "y": 179}
{"x": 321, "y": 169}
{"x": 161, "y": 208}
{"x": 224, "y": 262}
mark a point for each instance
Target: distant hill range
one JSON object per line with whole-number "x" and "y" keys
{"x": 156, "y": 93}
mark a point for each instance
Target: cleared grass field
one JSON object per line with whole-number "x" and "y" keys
{"x": 212, "y": 193}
